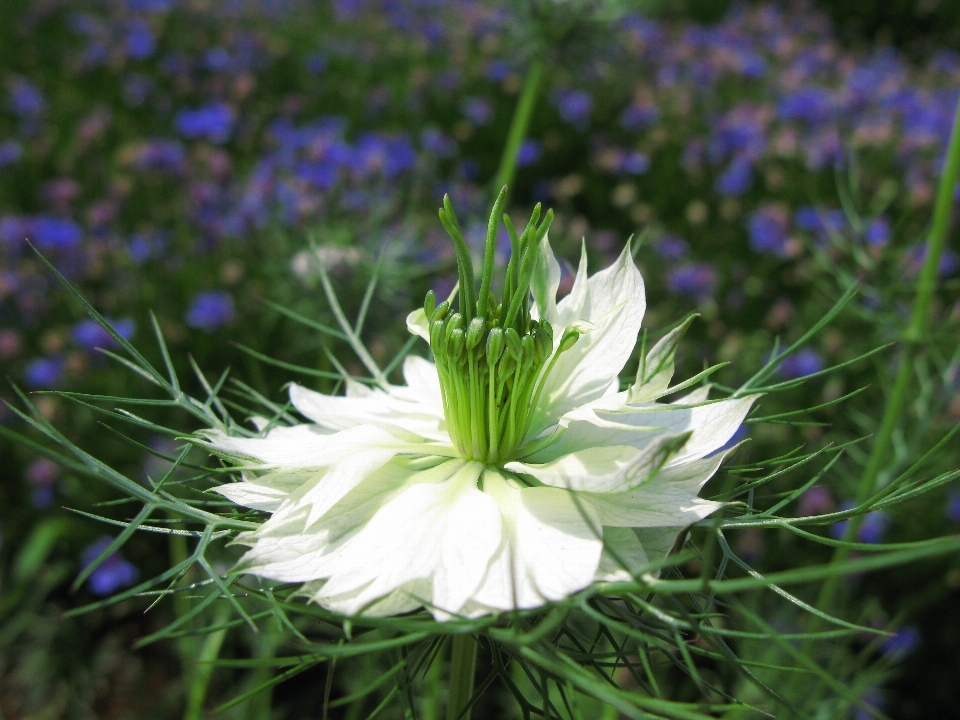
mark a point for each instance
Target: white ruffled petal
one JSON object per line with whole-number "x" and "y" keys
{"x": 602, "y": 469}
{"x": 669, "y": 499}
{"x": 545, "y": 282}
{"x": 418, "y": 325}
{"x": 614, "y": 304}
{"x": 550, "y": 547}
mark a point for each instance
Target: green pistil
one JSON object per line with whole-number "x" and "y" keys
{"x": 492, "y": 357}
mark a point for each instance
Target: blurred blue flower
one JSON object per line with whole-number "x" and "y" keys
{"x": 140, "y": 41}
{"x": 952, "y": 509}
{"x": 817, "y": 500}
{"x": 903, "y": 642}
{"x": 89, "y": 335}
{"x": 873, "y": 698}
{"x": 694, "y": 280}
{"x": 805, "y": 361}
{"x": 217, "y": 59}
{"x": 878, "y": 232}
{"x": 671, "y": 247}
{"x": 436, "y": 142}
{"x": 767, "y": 228}
{"x": 638, "y": 115}
{"x": 10, "y": 152}
{"x": 51, "y": 233}
{"x": 315, "y": 63}
{"x": 42, "y": 475}
{"x": 213, "y": 122}
{"x": 634, "y": 163}
{"x": 477, "y": 110}
{"x": 113, "y": 574}
{"x": 871, "y": 530}
{"x": 26, "y": 99}
{"x": 210, "y": 310}
{"x": 161, "y": 155}
{"x": 156, "y": 6}
{"x": 811, "y": 103}
{"x": 574, "y": 106}
{"x": 528, "y": 153}
{"x": 822, "y": 222}
{"x": 497, "y": 70}
{"x": 44, "y": 373}
{"x": 348, "y": 9}
{"x": 737, "y": 178}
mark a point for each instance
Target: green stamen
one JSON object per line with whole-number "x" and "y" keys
{"x": 492, "y": 358}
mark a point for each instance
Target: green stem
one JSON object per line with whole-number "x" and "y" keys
{"x": 205, "y": 664}
{"x": 914, "y": 335}
{"x": 519, "y": 125}
{"x": 463, "y": 664}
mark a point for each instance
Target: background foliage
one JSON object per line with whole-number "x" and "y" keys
{"x": 176, "y": 157}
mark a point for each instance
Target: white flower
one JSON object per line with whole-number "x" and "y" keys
{"x": 512, "y": 473}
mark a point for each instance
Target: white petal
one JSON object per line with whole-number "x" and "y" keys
{"x": 615, "y": 304}
{"x": 712, "y": 426}
{"x": 656, "y": 368}
{"x": 623, "y": 555}
{"x": 264, "y": 492}
{"x": 545, "y": 282}
{"x": 669, "y": 499}
{"x": 418, "y": 325}
{"x": 551, "y": 546}
{"x": 570, "y": 308}
{"x": 602, "y": 469}
{"x": 445, "y": 531}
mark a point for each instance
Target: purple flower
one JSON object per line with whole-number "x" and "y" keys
{"x": 213, "y": 122}
{"x": 804, "y": 362}
{"x": 737, "y": 178}
{"x": 638, "y": 115}
{"x": 817, "y": 500}
{"x": 26, "y": 99}
{"x": 767, "y": 228}
{"x": 89, "y": 335}
{"x": 42, "y": 474}
{"x": 44, "y": 373}
{"x": 812, "y": 104}
{"x": 10, "y": 152}
{"x": 113, "y": 574}
{"x": 878, "y": 232}
{"x": 528, "y": 153}
{"x": 315, "y": 63}
{"x": 51, "y": 233}
{"x": 671, "y": 247}
{"x": 952, "y": 509}
{"x": 437, "y": 143}
{"x": 574, "y": 106}
{"x": 210, "y": 310}
{"x": 477, "y": 110}
{"x": 901, "y": 643}
{"x": 634, "y": 163}
{"x": 872, "y": 527}
{"x": 694, "y": 280}
{"x": 140, "y": 41}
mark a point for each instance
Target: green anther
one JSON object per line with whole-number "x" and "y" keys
{"x": 436, "y": 334}
{"x": 513, "y": 343}
{"x": 453, "y": 322}
{"x": 455, "y": 345}
{"x": 495, "y": 345}
{"x": 475, "y": 331}
{"x": 429, "y": 304}
{"x": 440, "y": 312}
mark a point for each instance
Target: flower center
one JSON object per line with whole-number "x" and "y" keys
{"x": 492, "y": 357}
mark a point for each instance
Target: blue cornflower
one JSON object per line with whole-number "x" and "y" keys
{"x": 901, "y": 643}
{"x": 812, "y": 104}
{"x": 671, "y": 247}
{"x": 806, "y": 361}
{"x": 767, "y": 228}
{"x": 213, "y": 122}
{"x": 693, "y": 280}
{"x": 737, "y": 178}
{"x": 878, "y": 232}
{"x": 26, "y": 99}
{"x": 210, "y": 310}
{"x": 140, "y": 40}
{"x": 89, "y": 335}
{"x": 528, "y": 153}
{"x": 43, "y": 373}
{"x": 50, "y": 233}
{"x": 10, "y": 152}
{"x": 574, "y": 106}
{"x": 478, "y": 110}
{"x": 113, "y": 574}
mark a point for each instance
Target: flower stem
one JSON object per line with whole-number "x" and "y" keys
{"x": 519, "y": 124}
{"x": 209, "y": 652}
{"x": 463, "y": 663}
